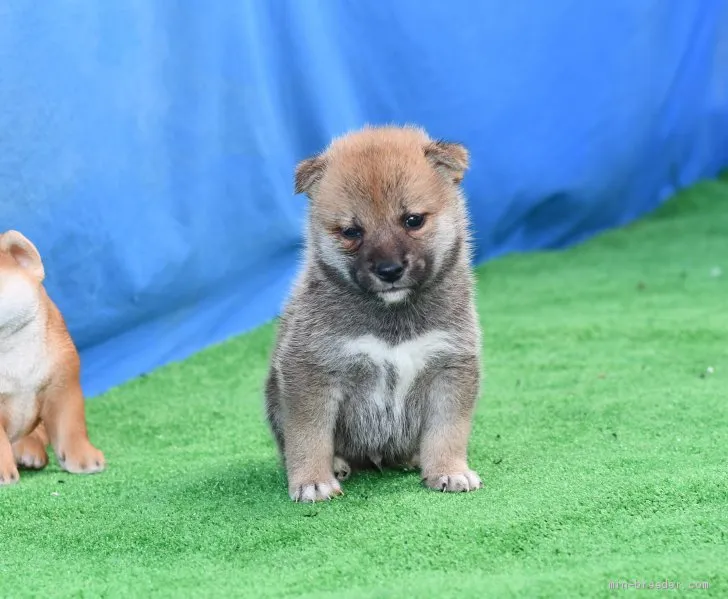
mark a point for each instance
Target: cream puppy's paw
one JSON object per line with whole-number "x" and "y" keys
{"x": 30, "y": 454}
{"x": 8, "y": 473}
{"x": 81, "y": 458}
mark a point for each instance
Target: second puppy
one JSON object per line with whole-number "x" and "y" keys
{"x": 40, "y": 392}
{"x": 378, "y": 352}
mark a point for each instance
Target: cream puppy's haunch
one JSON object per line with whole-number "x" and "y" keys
{"x": 40, "y": 391}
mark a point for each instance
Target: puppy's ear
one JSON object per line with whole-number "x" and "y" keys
{"x": 309, "y": 172}
{"x": 452, "y": 159}
{"x": 23, "y": 252}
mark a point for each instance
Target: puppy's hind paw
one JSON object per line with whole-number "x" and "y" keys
{"x": 30, "y": 454}
{"x": 342, "y": 470}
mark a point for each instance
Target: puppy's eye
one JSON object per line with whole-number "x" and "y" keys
{"x": 414, "y": 221}
{"x": 352, "y": 233}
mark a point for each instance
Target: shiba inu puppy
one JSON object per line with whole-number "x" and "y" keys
{"x": 377, "y": 359}
{"x": 40, "y": 392}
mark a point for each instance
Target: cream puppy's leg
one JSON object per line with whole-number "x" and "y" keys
{"x": 64, "y": 417}
{"x": 8, "y": 470}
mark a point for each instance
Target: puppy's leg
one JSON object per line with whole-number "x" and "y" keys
{"x": 64, "y": 417}
{"x": 8, "y": 470}
{"x": 444, "y": 442}
{"x": 30, "y": 451}
{"x": 273, "y": 410}
{"x": 309, "y": 441}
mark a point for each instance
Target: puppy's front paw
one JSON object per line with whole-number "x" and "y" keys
{"x": 8, "y": 473}
{"x": 81, "y": 458}
{"x": 455, "y": 482}
{"x": 30, "y": 454}
{"x": 315, "y": 491}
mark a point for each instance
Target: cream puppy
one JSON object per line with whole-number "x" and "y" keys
{"x": 40, "y": 391}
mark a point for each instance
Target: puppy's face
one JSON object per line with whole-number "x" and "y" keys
{"x": 386, "y": 212}
{"x": 21, "y": 275}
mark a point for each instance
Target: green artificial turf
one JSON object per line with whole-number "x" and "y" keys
{"x": 600, "y": 435}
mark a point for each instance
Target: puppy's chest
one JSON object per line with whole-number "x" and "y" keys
{"x": 383, "y": 376}
{"x": 24, "y": 369}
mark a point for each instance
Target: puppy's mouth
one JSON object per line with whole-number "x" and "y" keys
{"x": 394, "y": 294}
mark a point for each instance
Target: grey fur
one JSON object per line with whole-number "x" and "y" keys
{"x": 319, "y": 396}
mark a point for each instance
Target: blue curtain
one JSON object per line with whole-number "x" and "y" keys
{"x": 147, "y": 147}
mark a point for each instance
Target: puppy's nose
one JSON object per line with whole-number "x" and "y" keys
{"x": 389, "y": 272}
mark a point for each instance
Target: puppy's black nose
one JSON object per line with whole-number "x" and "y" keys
{"x": 389, "y": 272}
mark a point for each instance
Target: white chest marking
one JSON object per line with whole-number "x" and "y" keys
{"x": 24, "y": 367}
{"x": 408, "y": 359}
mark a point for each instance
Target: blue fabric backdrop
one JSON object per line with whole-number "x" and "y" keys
{"x": 147, "y": 147}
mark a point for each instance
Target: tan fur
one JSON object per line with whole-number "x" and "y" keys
{"x": 369, "y": 370}
{"x": 41, "y": 401}
{"x": 356, "y": 185}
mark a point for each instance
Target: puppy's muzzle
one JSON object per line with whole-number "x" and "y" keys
{"x": 388, "y": 271}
